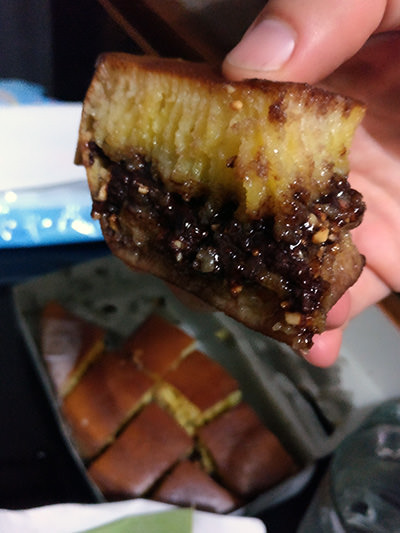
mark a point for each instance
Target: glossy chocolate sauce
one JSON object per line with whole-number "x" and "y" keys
{"x": 211, "y": 240}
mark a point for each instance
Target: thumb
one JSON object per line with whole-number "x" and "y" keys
{"x": 303, "y": 41}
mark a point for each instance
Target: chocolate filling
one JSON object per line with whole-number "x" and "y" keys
{"x": 212, "y": 241}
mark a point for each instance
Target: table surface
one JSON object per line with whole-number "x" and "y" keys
{"x": 36, "y": 466}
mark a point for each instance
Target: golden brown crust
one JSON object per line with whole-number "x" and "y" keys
{"x": 69, "y": 345}
{"x": 189, "y": 485}
{"x": 157, "y": 346}
{"x": 177, "y": 67}
{"x": 109, "y": 393}
{"x": 246, "y": 455}
{"x": 208, "y": 75}
{"x": 136, "y": 460}
{"x": 202, "y": 381}
{"x": 197, "y": 390}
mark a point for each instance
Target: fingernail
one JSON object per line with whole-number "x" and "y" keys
{"x": 266, "y": 47}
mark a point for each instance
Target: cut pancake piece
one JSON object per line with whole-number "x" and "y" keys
{"x": 69, "y": 345}
{"x": 247, "y": 457}
{"x": 149, "y": 446}
{"x": 188, "y": 485}
{"x": 158, "y": 345}
{"x": 108, "y": 395}
{"x": 197, "y": 390}
{"x": 234, "y": 191}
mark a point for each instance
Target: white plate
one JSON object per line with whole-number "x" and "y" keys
{"x": 37, "y": 145}
{"x": 75, "y": 518}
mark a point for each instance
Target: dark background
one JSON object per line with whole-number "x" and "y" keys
{"x": 55, "y": 43}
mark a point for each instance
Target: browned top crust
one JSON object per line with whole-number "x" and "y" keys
{"x": 158, "y": 345}
{"x": 150, "y": 445}
{"x": 247, "y": 456}
{"x": 209, "y": 75}
{"x": 108, "y": 394}
{"x": 203, "y": 381}
{"x": 190, "y": 486}
{"x": 176, "y": 66}
{"x": 69, "y": 345}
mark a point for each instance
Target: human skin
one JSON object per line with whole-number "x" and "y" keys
{"x": 351, "y": 47}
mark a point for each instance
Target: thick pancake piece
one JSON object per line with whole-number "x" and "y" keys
{"x": 235, "y": 191}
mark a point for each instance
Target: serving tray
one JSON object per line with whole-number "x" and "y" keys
{"x": 310, "y": 409}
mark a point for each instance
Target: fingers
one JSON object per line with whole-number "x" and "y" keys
{"x": 307, "y": 39}
{"x": 391, "y": 18}
{"x": 325, "y": 349}
{"x": 339, "y": 314}
{"x": 366, "y": 291}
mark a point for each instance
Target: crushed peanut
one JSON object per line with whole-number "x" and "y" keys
{"x": 143, "y": 189}
{"x": 312, "y": 220}
{"x": 237, "y": 105}
{"x": 112, "y": 220}
{"x": 102, "y": 194}
{"x": 293, "y": 319}
{"x": 321, "y": 236}
{"x": 177, "y": 244}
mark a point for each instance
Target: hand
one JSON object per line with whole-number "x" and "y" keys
{"x": 351, "y": 47}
